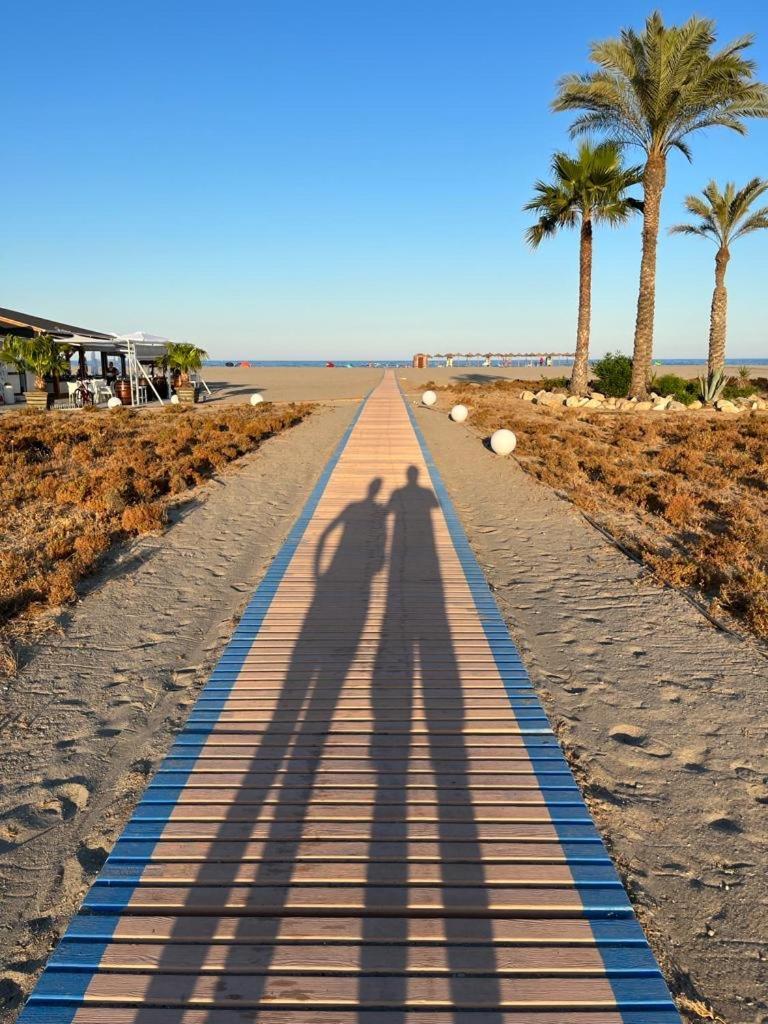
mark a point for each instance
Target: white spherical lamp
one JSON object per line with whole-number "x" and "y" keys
{"x": 428, "y": 398}
{"x": 459, "y": 413}
{"x": 256, "y": 399}
{"x": 503, "y": 442}
{"x": 114, "y": 403}
{"x": 174, "y": 399}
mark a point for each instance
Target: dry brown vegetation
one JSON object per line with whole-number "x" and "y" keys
{"x": 686, "y": 492}
{"x": 73, "y": 484}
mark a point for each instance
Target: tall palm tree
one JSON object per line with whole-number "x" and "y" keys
{"x": 723, "y": 217}
{"x": 586, "y": 189}
{"x": 653, "y": 89}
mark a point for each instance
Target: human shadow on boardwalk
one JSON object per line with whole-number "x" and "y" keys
{"x": 264, "y": 833}
{"x": 416, "y": 638}
{"x": 268, "y": 812}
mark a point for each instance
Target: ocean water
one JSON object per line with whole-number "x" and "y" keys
{"x": 342, "y": 363}
{"x": 311, "y": 362}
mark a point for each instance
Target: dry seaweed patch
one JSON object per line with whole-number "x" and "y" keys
{"x": 687, "y": 493}
{"x": 73, "y": 484}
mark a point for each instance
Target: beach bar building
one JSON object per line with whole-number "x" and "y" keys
{"x": 25, "y": 325}
{"x": 136, "y": 359}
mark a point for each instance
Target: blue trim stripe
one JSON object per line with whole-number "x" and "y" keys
{"x": 243, "y": 637}
{"x": 655, "y": 992}
{"x": 53, "y": 1014}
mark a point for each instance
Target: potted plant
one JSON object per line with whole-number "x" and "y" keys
{"x": 41, "y": 356}
{"x": 186, "y": 359}
{"x": 11, "y": 352}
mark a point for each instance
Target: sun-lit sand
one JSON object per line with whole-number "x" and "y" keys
{"x": 322, "y": 384}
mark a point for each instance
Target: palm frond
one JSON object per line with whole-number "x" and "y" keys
{"x": 758, "y": 221}
{"x": 726, "y": 213}
{"x": 591, "y": 184}
{"x": 690, "y": 229}
{"x": 656, "y": 87}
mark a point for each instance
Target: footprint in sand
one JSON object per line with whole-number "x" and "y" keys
{"x": 634, "y": 736}
{"x": 759, "y": 792}
{"x": 74, "y": 795}
{"x": 625, "y": 733}
{"x": 40, "y": 808}
{"x": 694, "y": 757}
{"x": 723, "y": 821}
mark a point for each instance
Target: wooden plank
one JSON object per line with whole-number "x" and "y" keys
{"x": 499, "y": 931}
{"x": 234, "y": 991}
{"x": 364, "y": 796}
{"x": 381, "y": 872}
{"x": 181, "y": 957}
{"x": 361, "y": 781}
{"x": 478, "y": 900}
{"x": 350, "y": 850}
{"x": 237, "y": 831}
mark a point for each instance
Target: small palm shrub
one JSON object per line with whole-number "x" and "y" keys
{"x": 185, "y": 358}
{"x": 613, "y": 374}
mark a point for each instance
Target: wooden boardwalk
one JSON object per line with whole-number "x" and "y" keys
{"x": 367, "y": 817}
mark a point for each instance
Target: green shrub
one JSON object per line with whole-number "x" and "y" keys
{"x": 685, "y": 391}
{"x": 737, "y": 389}
{"x": 613, "y": 374}
{"x": 550, "y": 383}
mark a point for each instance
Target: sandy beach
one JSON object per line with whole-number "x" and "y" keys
{"x": 339, "y": 384}
{"x": 96, "y": 705}
{"x": 292, "y": 384}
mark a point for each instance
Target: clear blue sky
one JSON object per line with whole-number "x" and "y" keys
{"x": 285, "y": 179}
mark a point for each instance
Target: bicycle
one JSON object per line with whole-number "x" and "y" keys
{"x": 82, "y": 395}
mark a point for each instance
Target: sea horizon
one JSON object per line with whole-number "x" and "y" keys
{"x": 384, "y": 363}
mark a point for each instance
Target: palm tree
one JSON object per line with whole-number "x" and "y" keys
{"x": 589, "y": 188}
{"x": 12, "y": 351}
{"x": 653, "y": 89}
{"x": 42, "y": 355}
{"x": 184, "y": 357}
{"x": 723, "y": 217}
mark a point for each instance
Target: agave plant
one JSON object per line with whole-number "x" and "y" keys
{"x": 712, "y": 386}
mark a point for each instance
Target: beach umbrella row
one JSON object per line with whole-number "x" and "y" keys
{"x": 499, "y": 355}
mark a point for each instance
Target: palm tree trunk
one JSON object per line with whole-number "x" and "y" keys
{"x": 580, "y": 373}
{"x": 654, "y": 179}
{"x": 719, "y": 313}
